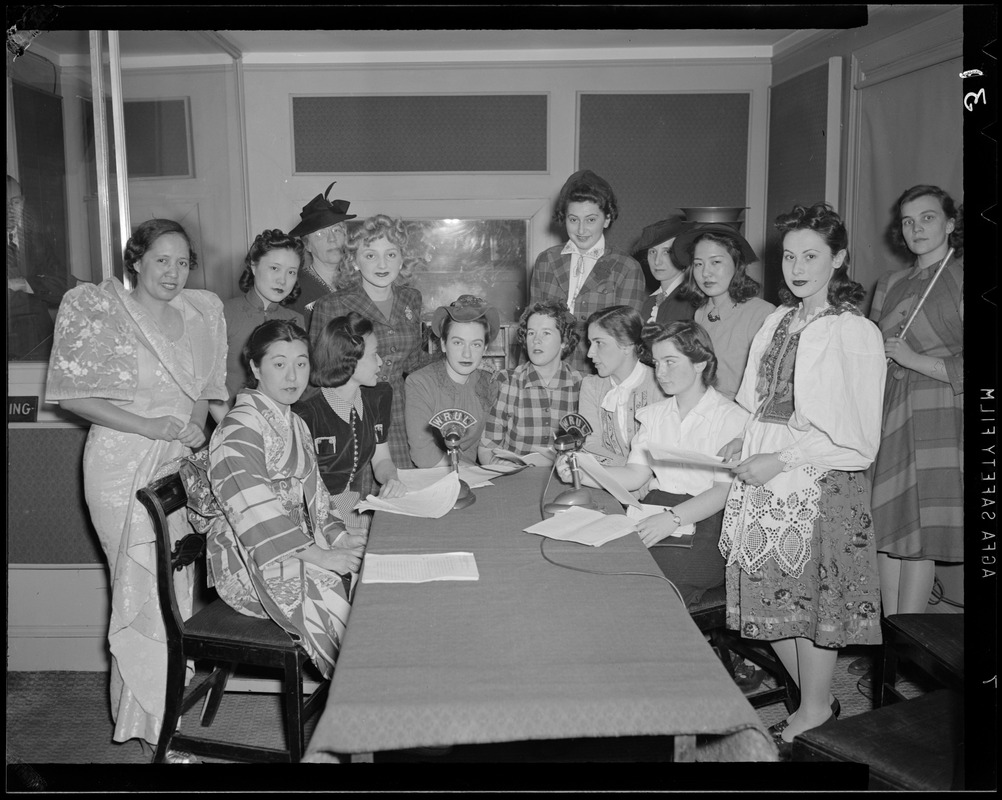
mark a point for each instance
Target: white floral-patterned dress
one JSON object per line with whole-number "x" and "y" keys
{"x": 107, "y": 346}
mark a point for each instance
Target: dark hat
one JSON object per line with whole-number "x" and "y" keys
{"x": 321, "y": 213}
{"x": 659, "y": 232}
{"x": 680, "y": 249}
{"x": 468, "y": 308}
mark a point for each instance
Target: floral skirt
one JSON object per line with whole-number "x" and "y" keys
{"x": 835, "y": 601}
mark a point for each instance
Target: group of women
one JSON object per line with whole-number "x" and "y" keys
{"x": 313, "y": 410}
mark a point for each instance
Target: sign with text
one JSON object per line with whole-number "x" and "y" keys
{"x": 22, "y": 409}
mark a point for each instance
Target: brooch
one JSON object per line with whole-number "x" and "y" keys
{"x": 409, "y": 314}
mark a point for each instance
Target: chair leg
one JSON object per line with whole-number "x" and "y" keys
{"x": 295, "y": 732}
{"x": 219, "y": 678}
{"x": 172, "y": 704}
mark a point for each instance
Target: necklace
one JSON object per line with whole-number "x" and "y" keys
{"x": 329, "y": 394}
{"x": 713, "y": 315}
{"x": 320, "y": 278}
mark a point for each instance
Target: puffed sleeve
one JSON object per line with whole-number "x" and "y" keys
{"x": 838, "y": 388}
{"x": 213, "y": 345}
{"x": 94, "y": 348}
{"x": 238, "y": 473}
{"x": 499, "y": 420}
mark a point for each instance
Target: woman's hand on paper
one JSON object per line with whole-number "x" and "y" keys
{"x": 656, "y": 527}
{"x": 759, "y": 469}
{"x": 392, "y": 488}
{"x": 731, "y": 451}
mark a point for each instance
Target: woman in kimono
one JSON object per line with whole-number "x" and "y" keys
{"x": 378, "y": 291}
{"x": 277, "y": 550}
{"x": 918, "y": 483}
{"x": 797, "y": 532}
{"x": 141, "y": 366}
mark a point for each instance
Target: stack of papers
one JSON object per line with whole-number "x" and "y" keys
{"x": 431, "y": 496}
{"x": 689, "y": 458}
{"x": 585, "y": 526}
{"x": 419, "y": 568}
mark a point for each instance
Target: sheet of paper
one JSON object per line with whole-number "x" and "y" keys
{"x": 603, "y": 478}
{"x": 646, "y": 510}
{"x": 419, "y": 568}
{"x": 434, "y": 500}
{"x": 503, "y": 468}
{"x": 584, "y": 525}
{"x": 688, "y": 457}
{"x": 529, "y": 459}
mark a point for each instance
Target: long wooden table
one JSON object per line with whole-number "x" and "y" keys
{"x": 530, "y": 651}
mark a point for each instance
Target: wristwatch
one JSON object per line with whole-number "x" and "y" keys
{"x": 676, "y": 517}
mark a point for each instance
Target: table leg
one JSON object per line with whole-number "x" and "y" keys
{"x": 685, "y": 747}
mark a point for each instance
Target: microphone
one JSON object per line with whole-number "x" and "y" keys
{"x": 570, "y": 438}
{"x": 452, "y": 423}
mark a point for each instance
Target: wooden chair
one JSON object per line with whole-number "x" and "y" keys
{"x": 710, "y": 614}
{"x": 221, "y": 635}
{"x": 934, "y": 643}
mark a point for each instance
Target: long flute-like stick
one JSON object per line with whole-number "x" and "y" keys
{"x": 925, "y": 294}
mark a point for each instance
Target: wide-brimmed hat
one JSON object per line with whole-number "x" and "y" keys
{"x": 680, "y": 249}
{"x": 468, "y": 308}
{"x": 321, "y": 213}
{"x": 658, "y": 232}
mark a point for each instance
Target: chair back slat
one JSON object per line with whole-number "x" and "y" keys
{"x": 162, "y": 498}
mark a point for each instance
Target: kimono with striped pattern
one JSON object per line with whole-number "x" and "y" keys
{"x": 263, "y": 473}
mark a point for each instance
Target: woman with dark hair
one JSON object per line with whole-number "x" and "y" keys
{"x": 724, "y": 295}
{"x": 797, "y": 532}
{"x": 696, "y": 418}
{"x": 918, "y": 483}
{"x": 270, "y": 285}
{"x": 533, "y": 397}
{"x": 274, "y": 548}
{"x": 350, "y": 417}
{"x": 141, "y": 366}
{"x": 586, "y": 273}
{"x": 378, "y": 290}
{"x": 610, "y": 400}
{"x": 465, "y": 329}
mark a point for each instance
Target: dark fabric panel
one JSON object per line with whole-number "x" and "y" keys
{"x": 664, "y": 151}
{"x": 798, "y": 118}
{"x": 47, "y": 517}
{"x": 427, "y": 133}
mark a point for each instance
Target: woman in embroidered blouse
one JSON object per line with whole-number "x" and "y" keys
{"x": 324, "y": 233}
{"x": 378, "y": 290}
{"x": 534, "y": 397}
{"x": 349, "y": 418}
{"x": 723, "y": 294}
{"x": 697, "y": 418}
{"x": 624, "y": 385}
{"x": 918, "y": 481}
{"x": 797, "y": 532}
{"x": 270, "y": 285}
{"x": 141, "y": 366}
{"x": 465, "y": 328}
{"x": 274, "y": 547}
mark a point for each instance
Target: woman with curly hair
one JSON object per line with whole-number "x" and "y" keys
{"x": 270, "y": 285}
{"x": 377, "y": 289}
{"x": 797, "y": 532}
{"x": 533, "y": 397}
{"x": 724, "y": 295}
{"x": 918, "y": 483}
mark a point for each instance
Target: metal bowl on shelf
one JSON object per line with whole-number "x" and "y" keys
{"x": 714, "y": 213}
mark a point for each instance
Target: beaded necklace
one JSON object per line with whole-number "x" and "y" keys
{"x": 329, "y": 394}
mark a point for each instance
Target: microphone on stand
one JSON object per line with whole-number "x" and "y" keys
{"x": 452, "y": 424}
{"x": 570, "y": 438}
